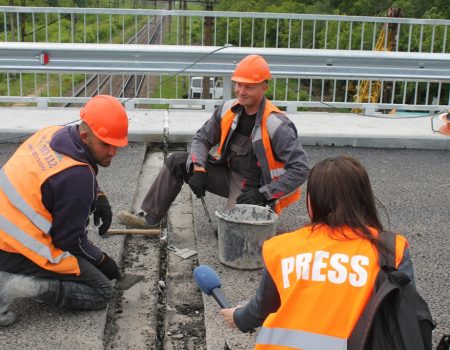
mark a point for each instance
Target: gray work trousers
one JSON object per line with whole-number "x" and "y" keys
{"x": 221, "y": 181}
{"x": 91, "y": 290}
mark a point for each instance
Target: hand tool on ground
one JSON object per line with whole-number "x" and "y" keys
{"x": 206, "y": 209}
{"x": 444, "y": 343}
{"x": 209, "y": 283}
{"x": 128, "y": 280}
{"x": 134, "y": 231}
{"x": 182, "y": 253}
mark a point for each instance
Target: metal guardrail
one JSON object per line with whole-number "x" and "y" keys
{"x": 301, "y": 64}
{"x": 221, "y": 61}
{"x": 319, "y": 61}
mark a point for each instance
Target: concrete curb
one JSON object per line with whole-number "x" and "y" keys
{"x": 314, "y": 128}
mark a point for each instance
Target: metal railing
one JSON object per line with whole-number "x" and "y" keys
{"x": 217, "y": 28}
{"x": 336, "y": 55}
{"x": 333, "y": 69}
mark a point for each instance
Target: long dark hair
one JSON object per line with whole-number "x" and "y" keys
{"x": 340, "y": 194}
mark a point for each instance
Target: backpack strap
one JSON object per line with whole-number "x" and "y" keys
{"x": 389, "y": 281}
{"x": 387, "y": 255}
{"x": 386, "y": 258}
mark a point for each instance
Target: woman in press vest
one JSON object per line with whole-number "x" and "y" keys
{"x": 317, "y": 280}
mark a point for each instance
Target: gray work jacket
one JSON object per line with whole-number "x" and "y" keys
{"x": 286, "y": 147}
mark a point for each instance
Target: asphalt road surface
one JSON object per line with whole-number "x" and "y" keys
{"x": 414, "y": 187}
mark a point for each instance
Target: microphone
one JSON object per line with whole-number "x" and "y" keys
{"x": 209, "y": 283}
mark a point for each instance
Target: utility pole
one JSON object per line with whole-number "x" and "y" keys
{"x": 208, "y": 42}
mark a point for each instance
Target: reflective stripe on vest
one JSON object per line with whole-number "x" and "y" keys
{"x": 29, "y": 242}
{"x": 277, "y": 172}
{"x": 299, "y": 339}
{"x": 272, "y": 125}
{"x": 16, "y": 200}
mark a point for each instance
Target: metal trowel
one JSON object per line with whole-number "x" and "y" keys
{"x": 182, "y": 253}
{"x": 128, "y": 280}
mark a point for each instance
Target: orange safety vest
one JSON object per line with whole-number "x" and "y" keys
{"x": 324, "y": 285}
{"x": 276, "y": 168}
{"x": 25, "y": 223}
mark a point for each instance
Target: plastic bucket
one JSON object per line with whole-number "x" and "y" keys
{"x": 241, "y": 233}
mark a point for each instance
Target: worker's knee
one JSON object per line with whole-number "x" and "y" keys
{"x": 106, "y": 293}
{"x": 176, "y": 163}
{"x": 177, "y": 159}
{"x": 100, "y": 296}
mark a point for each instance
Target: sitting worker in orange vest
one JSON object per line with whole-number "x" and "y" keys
{"x": 48, "y": 189}
{"x": 259, "y": 159}
{"x": 317, "y": 280}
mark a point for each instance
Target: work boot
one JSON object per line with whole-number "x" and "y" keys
{"x": 14, "y": 286}
{"x": 140, "y": 220}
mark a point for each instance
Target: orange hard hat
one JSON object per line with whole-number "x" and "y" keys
{"x": 252, "y": 69}
{"x": 107, "y": 119}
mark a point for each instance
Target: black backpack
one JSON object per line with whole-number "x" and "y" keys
{"x": 396, "y": 317}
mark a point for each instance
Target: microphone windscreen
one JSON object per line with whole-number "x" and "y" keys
{"x": 206, "y": 278}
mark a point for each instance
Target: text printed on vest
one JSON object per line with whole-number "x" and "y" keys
{"x": 321, "y": 266}
{"x": 44, "y": 155}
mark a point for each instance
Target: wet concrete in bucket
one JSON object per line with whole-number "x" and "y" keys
{"x": 249, "y": 214}
{"x": 241, "y": 234}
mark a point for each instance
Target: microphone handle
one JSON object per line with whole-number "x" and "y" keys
{"x": 220, "y": 298}
{"x": 223, "y": 302}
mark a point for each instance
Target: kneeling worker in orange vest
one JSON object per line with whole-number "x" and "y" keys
{"x": 259, "y": 158}
{"x": 48, "y": 189}
{"x": 318, "y": 279}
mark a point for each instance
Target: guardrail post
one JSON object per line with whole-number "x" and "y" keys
{"x": 129, "y": 105}
{"x": 42, "y": 103}
{"x": 227, "y": 87}
{"x": 370, "y": 110}
{"x": 210, "y": 106}
{"x": 291, "y": 108}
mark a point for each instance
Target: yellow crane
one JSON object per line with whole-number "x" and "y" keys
{"x": 369, "y": 91}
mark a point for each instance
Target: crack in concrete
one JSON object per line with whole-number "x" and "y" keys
{"x": 161, "y": 300}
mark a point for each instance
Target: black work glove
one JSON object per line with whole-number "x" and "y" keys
{"x": 198, "y": 183}
{"x": 102, "y": 211}
{"x": 109, "y": 268}
{"x": 251, "y": 195}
